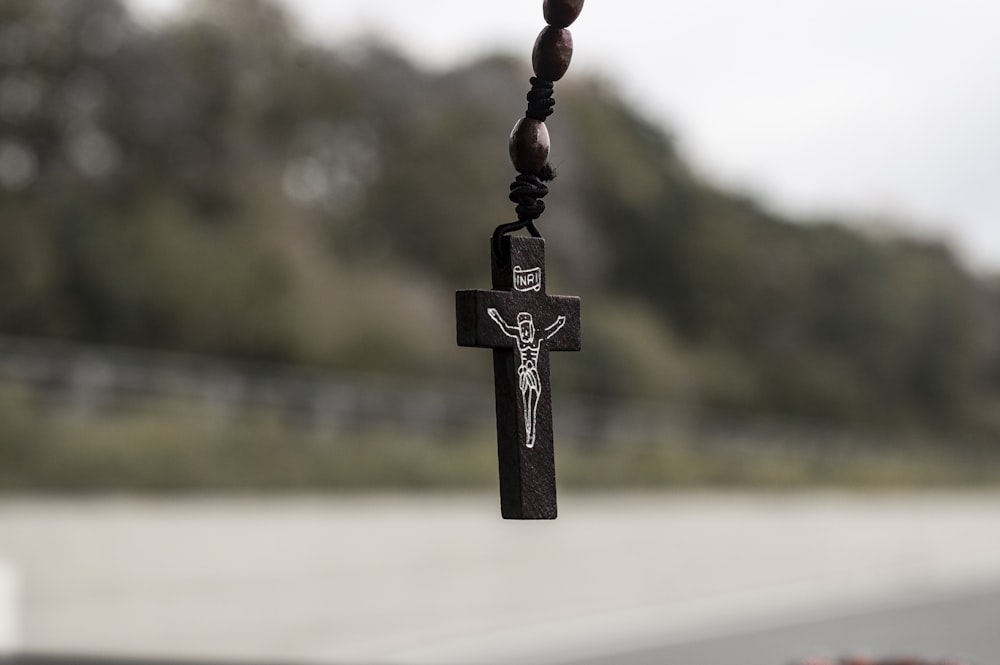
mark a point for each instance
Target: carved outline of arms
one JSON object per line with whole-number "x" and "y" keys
{"x": 507, "y": 329}
{"x": 556, "y": 326}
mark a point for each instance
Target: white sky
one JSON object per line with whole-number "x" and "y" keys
{"x": 884, "y": 108}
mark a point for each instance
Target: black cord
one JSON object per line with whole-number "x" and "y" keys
{"x": 540, "y": 100}
{"x": 528, "y": 189}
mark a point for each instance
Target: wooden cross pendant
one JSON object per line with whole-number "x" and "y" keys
{"x": 521, "y": 324}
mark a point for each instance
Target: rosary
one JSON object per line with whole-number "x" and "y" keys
{"x": 517, "y": 319}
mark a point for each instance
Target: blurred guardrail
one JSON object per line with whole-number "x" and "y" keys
{"x": 91, "y": 379}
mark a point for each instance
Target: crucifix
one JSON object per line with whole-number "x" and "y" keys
{"x": 521, "y": 323}
{"x": 517, "y": 319}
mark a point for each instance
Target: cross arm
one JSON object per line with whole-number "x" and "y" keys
{"x": 475, "y": 326}
{"x": 564, "y": 336}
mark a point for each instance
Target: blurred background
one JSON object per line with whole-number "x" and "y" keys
{"x": 230, "y": 234}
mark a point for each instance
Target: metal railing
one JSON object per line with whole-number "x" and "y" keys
{"x": 88, "y": 379}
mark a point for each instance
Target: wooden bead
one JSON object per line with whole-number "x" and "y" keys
{"x": 561, "y": 13}
{"x": 529, "y": 145}
{"x": 552, "y": 53}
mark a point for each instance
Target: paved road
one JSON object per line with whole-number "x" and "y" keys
{"x": 961, "y": 627}
{"x": 966, "y": 627}
{"x": 439, "y": 580}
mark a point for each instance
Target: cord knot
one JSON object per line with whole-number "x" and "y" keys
{"x": 540, "y": 99}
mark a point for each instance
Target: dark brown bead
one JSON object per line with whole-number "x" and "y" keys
{"x": 561, "y": 13}
{"x": 552, "y": 53}
{"x": 529, "y": 145}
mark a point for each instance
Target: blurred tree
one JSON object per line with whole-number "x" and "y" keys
{"x": 217, "y": 185}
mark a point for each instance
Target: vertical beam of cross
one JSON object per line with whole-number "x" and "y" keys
{"x": 521, "y": 323}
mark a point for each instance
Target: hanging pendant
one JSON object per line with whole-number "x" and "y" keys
{"x": 522, "y": 324}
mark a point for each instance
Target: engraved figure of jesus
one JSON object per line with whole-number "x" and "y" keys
{"x": 528, "y": 347}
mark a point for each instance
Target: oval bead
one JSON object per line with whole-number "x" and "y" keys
{"x": 552, "y": 53}
{"x": 561, "y": 13}
{"x": 529, "y": 145}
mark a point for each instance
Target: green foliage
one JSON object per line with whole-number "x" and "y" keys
{"x": 216, "y": 185}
